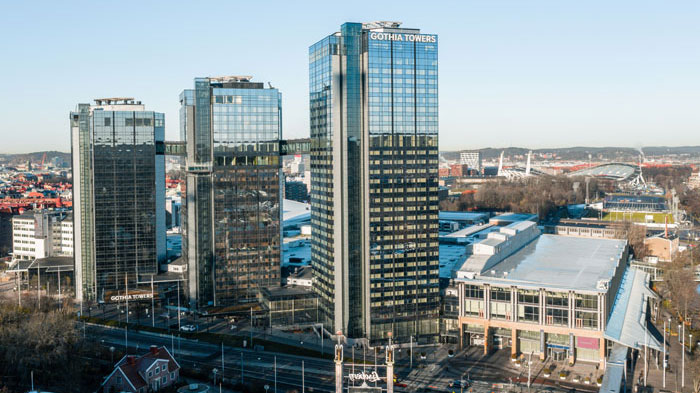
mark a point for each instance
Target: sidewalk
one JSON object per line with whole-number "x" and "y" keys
{"x": 673, "y": 370}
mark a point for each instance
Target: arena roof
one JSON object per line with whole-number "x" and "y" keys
{"x": 612, "y": 171}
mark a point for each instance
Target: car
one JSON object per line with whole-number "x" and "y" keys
{"x": 188, "y": 328}
{"x": 460, "y": 383}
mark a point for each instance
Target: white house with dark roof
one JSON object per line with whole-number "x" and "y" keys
{"x": 154, "y": 370}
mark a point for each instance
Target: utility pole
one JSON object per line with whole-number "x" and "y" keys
{"x": 302, "y": 377}
{"x": 241, "y": 367}
{"x": 275, "y": 374}
{"x": 410, "y": 352}
{"x": 178, "y": 305}
{"x": 222, "y": 361}
{"x": 19, "y": 288}
{"x": 126, "y": 288}
{"x": 646, "y": 344}
{"x": 251, "y": 327}
{"x": 683, "y": 358}
{"x": 59, "y": 287}
{"x": 664, "y": 360}
{"x": 153, "y": 305}
{"x": 38, "y": 285}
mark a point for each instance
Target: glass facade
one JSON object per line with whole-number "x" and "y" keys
{"x": 120, "y": 171}
{"x": 374, "y": 180}
{"x": 232, "y": 230}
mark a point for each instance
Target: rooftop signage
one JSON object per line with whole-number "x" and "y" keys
{"x": 131, "y": 296}
{"x": 402, "y": 37}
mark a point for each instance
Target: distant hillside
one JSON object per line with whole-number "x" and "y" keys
{"x": 582, "y": 152}
{"x": 34, "y": 158}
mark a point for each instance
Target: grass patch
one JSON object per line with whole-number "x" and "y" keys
{"x": 641, "y": 217}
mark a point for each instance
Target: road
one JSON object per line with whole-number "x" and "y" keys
{"x": 431, "y": 374}
{"x": 238, "y": 363}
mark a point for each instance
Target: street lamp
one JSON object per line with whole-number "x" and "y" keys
{"x": 690, "y": 344}
{"x": 215, "y": 371}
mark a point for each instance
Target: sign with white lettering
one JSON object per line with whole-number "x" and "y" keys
{"x": 402, "y": 37}
{"x": 365, "y": 377}
{"x": 131, "y": 297}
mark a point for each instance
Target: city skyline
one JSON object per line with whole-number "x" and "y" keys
{"x": 542, "y": 75}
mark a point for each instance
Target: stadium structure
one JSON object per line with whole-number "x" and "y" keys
{"x": 515, "y": 173}
{"x": 618, "y": 172}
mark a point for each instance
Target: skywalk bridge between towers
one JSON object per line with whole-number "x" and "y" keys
{"x": 287, "y": 147}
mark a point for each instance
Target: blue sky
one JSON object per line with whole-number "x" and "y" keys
{"x": 512, "y": 73}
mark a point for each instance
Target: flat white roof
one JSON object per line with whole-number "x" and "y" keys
{"x": 559, "y": 262}
{"x": 292, "y": 210}
{"x": 468, "y": 231}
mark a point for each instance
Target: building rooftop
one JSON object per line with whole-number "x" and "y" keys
{"x": 612, "y": 171}
{"x": 452, "y": 256}
{"x": 628, "y": 317}
{"x": 463, "y": 216}
{"x": 293, "y": 210}
{"x": 513, "y": 217}
{"x": 558, "y": 262}
{"x": 468, "y": 231}
{"x": 296, "y": 252}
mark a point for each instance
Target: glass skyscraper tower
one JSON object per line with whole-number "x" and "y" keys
{"x": 231, "y": 215}
{"x": 118, "y": 195}
{"x": 374, "y": 180}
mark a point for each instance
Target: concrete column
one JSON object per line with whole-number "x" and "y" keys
{"x": 515, "y": 347}
{"x": 487, "y": 302}
{"x": 543, "y": 310}
{"x": 543, "y": 346}
{"x": 338, "y": 377}
{"x": 514, "y": 304}
{"x": 461, "y": 333}
{"x": 339, "y": 365}
{"x": 572, "y": 311}
{"x": 572, "y": 348}
{"x": 390, "y": 367}
{"x": 487, "y": 337}
{"x": 602, "y": 353}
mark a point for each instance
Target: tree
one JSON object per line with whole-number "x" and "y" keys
{"x": 44, "y": 340}
{"x": 681, "y": 289}
{"x": 694, "y": 371}
{"x": 635, "y": 235}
